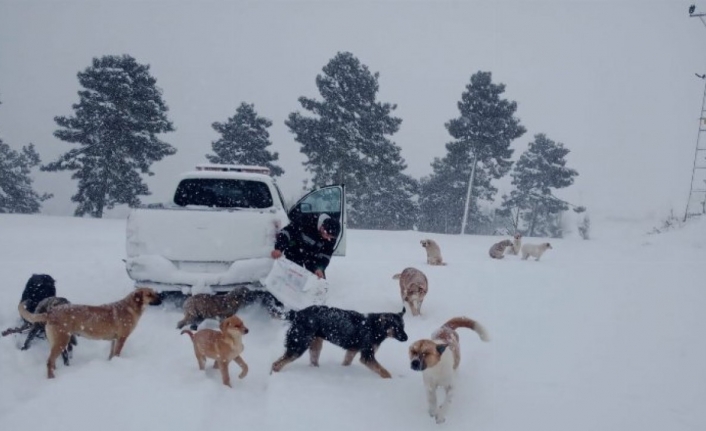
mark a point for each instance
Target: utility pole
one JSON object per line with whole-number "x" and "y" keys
{"x": 697, "y": 188}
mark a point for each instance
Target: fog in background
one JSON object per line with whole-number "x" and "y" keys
{"x": 612, "y": 80}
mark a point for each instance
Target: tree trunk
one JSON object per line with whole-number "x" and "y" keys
{"x": 468, "y": 195}
{"x": 516, "y": 221}
{"x": 535, "y": 211}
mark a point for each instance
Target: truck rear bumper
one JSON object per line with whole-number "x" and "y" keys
{"x": 164, "y": 275}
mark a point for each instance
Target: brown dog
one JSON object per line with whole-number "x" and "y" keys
{"x": 114, "y": 322}
{"x": 203, "y": 306}
{"x": 433, "y": 252}
{"x": 413, "y": 288}
{"x": 438, "y": 359}
{"x": 222, "y": 347}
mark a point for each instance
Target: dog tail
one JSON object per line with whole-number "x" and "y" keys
{"x": 191, "y": 334}
{"x": 396, "y": 276}
{"x": 465, "y": 322}
{"x": 30, "y": 317}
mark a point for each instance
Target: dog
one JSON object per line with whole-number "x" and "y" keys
{"x": 37, "y": 329}
{"x": 114, "y": 322}
{"x": 534, "y": 250}
{"x": 222, "y": 347}
{"x": 38, "y": 287}
{"x": 497, "y": 251}
{"x": 438, "y": 358}
{"x": 200, "y": 307}
{"x": 413, "y": 288}
{"x": 433, "y": 252}
{"x": 516, "y": 244}
{"x": 355, "y": 332}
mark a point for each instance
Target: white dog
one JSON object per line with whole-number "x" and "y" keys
{"x": 438, "y": 359}
{"x": 516, "y": 244}
{"x": 433, "y": 252}
{"x": 534, "y": 250}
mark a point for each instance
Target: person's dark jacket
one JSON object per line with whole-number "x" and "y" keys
{"x": 304, "y": 245}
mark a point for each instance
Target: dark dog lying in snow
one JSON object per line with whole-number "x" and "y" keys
{"x": 353, "y": 331}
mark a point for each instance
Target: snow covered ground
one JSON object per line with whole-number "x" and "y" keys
{"x": 603, "y": 335}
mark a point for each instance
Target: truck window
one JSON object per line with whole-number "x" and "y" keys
{"x": 223, "y": 193}
{"x": 323, "y": 201}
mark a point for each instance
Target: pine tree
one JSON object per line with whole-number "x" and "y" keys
{"x": 346, "y": 141}
{"x": 540, "y": 170}
{"x": 244, "y": 140}
{"x": 116, "y": 123}
{"x": 480, "y": 152}
{"x": 16, "y": 192}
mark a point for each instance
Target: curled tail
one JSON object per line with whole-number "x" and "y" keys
{"x": 191, "y": 334}
{"x": 30, "y": 317}
{"x": 465, "y": 322}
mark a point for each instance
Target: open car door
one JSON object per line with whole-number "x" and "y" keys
{"x": 330, "y": 200}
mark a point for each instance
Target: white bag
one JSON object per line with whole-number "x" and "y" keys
{"x": 294, "y": 286}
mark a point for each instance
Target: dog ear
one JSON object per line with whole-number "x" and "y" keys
{"x": 223, "y": 326}
{"x": 441, "y": 347}
{"x": 404, "y": 309}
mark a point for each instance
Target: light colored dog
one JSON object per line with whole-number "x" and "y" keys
{"x": 497, "y": 251}
{"x": 516, "y": 245}
{"x": 433, "y": 252}
{"x": 413, "y": 288}
{"x": 438, "y": 359}
{"x": 114, "y": 322}
{"x": 222, "y": 347}
{"x": 534, "y": 250}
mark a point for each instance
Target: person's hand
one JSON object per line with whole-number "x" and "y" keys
{"x": 276, "y": 254}
{"x": 319, "y": 273}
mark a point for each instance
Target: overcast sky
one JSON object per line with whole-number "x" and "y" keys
{"x": 612, "y": 80}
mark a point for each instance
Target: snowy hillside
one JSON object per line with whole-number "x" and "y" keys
{"x": 602, "y": 335}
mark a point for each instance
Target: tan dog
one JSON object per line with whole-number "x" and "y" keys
{"x": 413, "y": 288}
{"x": 534, "y": 250}
{"x": 114, "y": 322}
{"x": 497, "y": 251}
{"x": 438, "y": 360}
{"x": 222, "y": 347}
{"x": 516, "y": 244}
{"x": 433, "y": 252}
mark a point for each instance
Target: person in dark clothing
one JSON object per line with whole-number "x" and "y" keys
{"x": 308, "y": 245}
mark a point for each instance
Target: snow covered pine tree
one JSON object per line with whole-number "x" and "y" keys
{"x": 244, "y": 141}
{"x": 116, "y": 123}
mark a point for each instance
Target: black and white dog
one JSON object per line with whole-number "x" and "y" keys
{"x": 355, "y": 332}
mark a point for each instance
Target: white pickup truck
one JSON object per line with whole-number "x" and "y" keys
{"x": 218, "y": 230}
